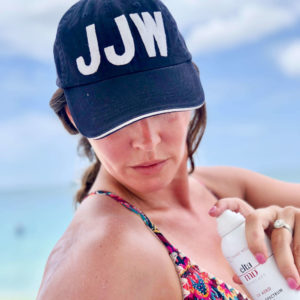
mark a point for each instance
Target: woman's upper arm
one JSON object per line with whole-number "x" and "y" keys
{"x": 262, "y": 190}
{"x": 110, "y": 267}
{"x": 257, "y": 189}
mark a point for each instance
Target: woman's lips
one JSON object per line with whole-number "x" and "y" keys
{"x": 149, "y": 163}
{"x": 151, "y": 169}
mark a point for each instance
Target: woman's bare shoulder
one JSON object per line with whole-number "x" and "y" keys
{"x": 104, "y": 253}
{"x": 224, "y": 181}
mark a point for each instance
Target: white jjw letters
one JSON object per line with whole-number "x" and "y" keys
{"x": 128, "y": 42}
{"x": 94, "y": 51}
{"x": 148, "y": 29}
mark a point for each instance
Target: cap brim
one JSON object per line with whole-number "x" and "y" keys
{"x": 101, "y": 108}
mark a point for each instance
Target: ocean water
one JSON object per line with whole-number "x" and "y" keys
{"x": 32, "y": 221}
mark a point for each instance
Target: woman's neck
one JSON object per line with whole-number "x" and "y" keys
{"x": 176, "y": 195}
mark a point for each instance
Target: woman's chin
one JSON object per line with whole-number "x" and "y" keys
{"x": 150, "y": 185}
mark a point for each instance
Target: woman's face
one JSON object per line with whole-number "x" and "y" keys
{"x": 160, "y": 137}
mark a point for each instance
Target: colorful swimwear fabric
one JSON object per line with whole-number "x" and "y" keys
{"x": 195, "y": 283}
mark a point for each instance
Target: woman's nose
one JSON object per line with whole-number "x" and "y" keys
{"x": 146, "y": 135}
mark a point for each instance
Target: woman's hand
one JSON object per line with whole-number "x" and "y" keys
{"x": 285, "y": 247}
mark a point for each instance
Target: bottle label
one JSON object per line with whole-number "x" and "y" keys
{"x": 263, "y": 281}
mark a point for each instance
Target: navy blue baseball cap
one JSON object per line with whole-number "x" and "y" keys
{"x": 119, "y": 61}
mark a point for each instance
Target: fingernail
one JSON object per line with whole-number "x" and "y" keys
{"x": 212, "y": 210}
{"x": 260, "y": 258}
{"x": 292, "y": 283}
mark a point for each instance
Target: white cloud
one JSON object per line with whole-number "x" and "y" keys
{"x": 24, "y": 135}
{"x": 35, "y": 149}
{"x": 29, "y": 27}
{"x": 288, "y": 58}
{"x": 249, "y": 23}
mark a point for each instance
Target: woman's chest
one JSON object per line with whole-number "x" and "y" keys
{"x": 196, "y": 236}
{"x": 203, "y": 249}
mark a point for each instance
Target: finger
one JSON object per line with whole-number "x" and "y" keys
{"x": 255, "y": 226}
{"x": 234, "y": 204}
{"x": 236, "y": 279}
{"x": 296, "y": 242}
{"x": 281, "y": 240}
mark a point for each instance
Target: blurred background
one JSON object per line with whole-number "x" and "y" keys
{"x": 248, "y": 53}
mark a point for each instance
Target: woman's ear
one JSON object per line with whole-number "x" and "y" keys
{"x": 69, "y": 115}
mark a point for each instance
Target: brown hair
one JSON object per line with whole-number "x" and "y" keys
{"x": 58, "y": 102}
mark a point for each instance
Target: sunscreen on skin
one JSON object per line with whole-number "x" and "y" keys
{"x": 263, "y": 281}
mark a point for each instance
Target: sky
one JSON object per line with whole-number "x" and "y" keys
{"x": 248, "y": 53}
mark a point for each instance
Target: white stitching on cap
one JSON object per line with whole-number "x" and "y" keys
{"x": 144, "y": 116}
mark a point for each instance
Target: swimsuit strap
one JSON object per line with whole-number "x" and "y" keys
{"x": 196, "y": 283}
{"x": 146, "y": 220}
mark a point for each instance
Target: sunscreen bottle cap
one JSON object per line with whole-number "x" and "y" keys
{"x": 228, "y": 221}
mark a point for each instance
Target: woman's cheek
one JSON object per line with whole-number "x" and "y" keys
{"x": 174, "y": 144}
{"x": 110, "y": 150}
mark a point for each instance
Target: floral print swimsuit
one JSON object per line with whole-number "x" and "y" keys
{"x": 195, "y": 283}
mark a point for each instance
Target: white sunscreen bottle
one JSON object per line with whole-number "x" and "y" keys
{"x": 263, "y": 281}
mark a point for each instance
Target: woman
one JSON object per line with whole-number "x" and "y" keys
{"x": 129, "y": 87}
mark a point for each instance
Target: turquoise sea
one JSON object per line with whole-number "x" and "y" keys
{"x": 32, "y": 221}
